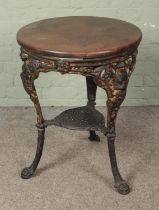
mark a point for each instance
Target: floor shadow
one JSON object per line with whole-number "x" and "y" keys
{"x": 70, "y": 154}
{"x": 139, "y": 166}
{"x": 94, "y": 172}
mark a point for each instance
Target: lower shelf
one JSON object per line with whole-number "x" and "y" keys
{"x": 80, "y": 118}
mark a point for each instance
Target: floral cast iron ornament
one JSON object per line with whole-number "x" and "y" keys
{"x": 111, "y": 74}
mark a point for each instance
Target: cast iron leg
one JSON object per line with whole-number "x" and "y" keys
{"x": 91, "y": 95}
{"x": 29, "y": 171}
{"x": 28, "y": 76}
{"x": 113, "y": 105}
{"x": 114, "y": 78}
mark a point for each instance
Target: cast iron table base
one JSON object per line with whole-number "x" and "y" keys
{"x": 108, "y": 66}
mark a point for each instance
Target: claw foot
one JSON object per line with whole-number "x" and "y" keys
{"x": 122, "y": 188}
{"x": 94, "y": 138}
{"x": 27, "y": 173}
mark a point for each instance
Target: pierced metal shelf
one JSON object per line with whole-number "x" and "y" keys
{"x": 81, "y": 118}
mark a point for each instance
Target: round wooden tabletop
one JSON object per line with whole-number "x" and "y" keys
{"x": 79, "y": 37}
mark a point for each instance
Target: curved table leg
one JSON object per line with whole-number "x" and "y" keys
{"x": 113, "y": 105}
{"x": 114, "y": 78}
{"x": 91, "y": 96}
{"x": 28, "y": 75}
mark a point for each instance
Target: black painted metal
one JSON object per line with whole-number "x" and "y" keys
{"x": 91, "y": 91}
{"x": 120, "y": 184}
{"x": 81, "y": 118}
{"x": 91, "y": 96}
{"x": 113, "y": 78}
{"x": 29, "y": 171}
{"x": 93, "y": 136}
{"x": 110, "y": 70}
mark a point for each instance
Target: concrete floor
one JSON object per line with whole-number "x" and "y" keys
{"x": 74, "y": 173}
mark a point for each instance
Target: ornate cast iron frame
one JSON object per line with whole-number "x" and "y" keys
{"x": 110, "y": 73}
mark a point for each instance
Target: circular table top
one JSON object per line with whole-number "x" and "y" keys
{"x": 79, "y": 37}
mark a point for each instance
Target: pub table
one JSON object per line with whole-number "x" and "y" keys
{"x": 101, "y": 49}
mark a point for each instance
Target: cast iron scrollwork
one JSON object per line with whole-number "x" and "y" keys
{"x": 110, "y": 74}
{"x": 114, "y": 79}
{"x": 118, "y": 68}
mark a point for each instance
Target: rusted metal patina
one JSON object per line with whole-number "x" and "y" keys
{"x": 108, "y": 66}
{"x": 111, "y": 74}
